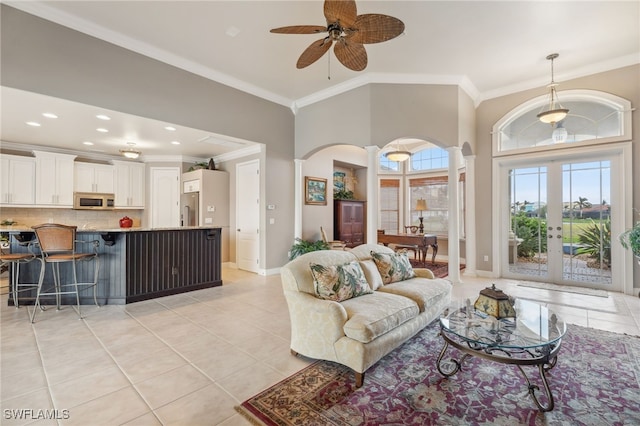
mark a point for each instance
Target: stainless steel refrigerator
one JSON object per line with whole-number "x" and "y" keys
{"x": 190, "y": 215}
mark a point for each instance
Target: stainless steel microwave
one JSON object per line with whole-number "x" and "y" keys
{"x": 93, "y": 201}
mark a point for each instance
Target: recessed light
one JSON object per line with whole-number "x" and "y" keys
{"x": 49, "y": 115}
{"x": 103, "y": 117}
{"x": 87, "y": 143}
{"x": 170, "y": 128}
{"x": 175, "y": 143}
{"x": 102, "y": 130}
{"x": 33, "y": 124}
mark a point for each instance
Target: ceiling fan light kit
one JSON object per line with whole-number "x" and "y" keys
{"x": 554, "y": 112}
{"x": 349, "y": 31}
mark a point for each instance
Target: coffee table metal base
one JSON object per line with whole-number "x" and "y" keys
{"x": 544, "y": 358}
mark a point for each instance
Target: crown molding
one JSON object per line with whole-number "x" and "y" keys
{"x": 239, "y": 153}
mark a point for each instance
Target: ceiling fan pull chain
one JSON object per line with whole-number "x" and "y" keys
{"x": 329, "y": 68}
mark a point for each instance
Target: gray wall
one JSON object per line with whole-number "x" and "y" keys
{"x": 47, "y": 58}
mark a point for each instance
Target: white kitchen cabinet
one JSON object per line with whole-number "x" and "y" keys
{"x": 130, "y": 183}
{"x": 90, "y": 177}
{"x": 54, "y": 179}
{"x": 18, "y": 183}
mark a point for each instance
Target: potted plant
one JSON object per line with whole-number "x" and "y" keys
{"x": 630, "y": 239}
{"x": 302, "y": 246}
{"x": 343, "y": 194}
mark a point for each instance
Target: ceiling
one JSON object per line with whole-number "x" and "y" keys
{"x": 489, "y": 48}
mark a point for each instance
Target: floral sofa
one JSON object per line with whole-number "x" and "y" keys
{"x": 354, "y": 307}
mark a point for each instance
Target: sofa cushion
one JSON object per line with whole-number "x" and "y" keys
{"x": 393, "y": 267}
{"x": 339, "y": 282}
{"x": 375, "y": 314}
{"x": 371, "y": 273}
{"x": 424, "y": 292}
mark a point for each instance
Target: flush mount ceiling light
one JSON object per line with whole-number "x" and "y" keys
{"x": 398, "y": 155}
{"x": 130, "y": 152}
{"x": 554, "y": 112}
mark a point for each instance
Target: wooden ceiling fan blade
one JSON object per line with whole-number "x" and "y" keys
{"x": 376, "y": 28}
{"x": 300, "y": 29}
{"x": 344, "y": 11}
{"x": 351, "y": 55}
{"x": 314, "y": 52}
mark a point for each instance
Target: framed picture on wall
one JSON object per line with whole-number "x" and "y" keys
{"x": 315, "y": 191}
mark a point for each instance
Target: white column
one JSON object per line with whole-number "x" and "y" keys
{"x": 470, "y": 220}
{"x": 297, "y": 198}
{"x": 372, "y": 194}
{"x": 454, "y": 215}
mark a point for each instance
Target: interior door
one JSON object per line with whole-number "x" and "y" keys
{"x": 165, "y": 197}
{"x": 560, "y": 222}
{"x": 248, "y": 216}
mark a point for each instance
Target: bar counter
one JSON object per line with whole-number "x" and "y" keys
{"x": 136, "y": 263}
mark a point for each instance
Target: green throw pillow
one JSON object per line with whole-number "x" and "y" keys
{"x": 393, "y": 267}
{"x": 339, "y": 282}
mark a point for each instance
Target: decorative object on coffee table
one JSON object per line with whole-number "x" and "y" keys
{"x": 495, "y": 302}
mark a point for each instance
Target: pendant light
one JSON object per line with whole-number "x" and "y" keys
{"x": 554, "y": 111}
{"x": 398, "y": 155}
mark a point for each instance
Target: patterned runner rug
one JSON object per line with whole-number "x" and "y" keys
{"x": 595, "y": 382}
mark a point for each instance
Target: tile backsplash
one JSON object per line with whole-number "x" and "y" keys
{"x": 79, "y": 218}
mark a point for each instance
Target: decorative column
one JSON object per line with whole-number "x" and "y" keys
{"x": 470, "y": 219}
{"x": 454, "y": 214}
{"x": 297, "y": 198}
{"x": 372, "y": 194}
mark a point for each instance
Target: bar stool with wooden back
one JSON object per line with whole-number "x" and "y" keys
{"x": 15, "y": 260}
{"x": 58, "y": 245}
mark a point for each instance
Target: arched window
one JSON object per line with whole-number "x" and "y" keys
{"x": 594, "y": 117}
{"x": 432, "y": 158}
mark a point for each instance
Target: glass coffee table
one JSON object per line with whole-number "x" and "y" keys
{"x": 532, "y": 338}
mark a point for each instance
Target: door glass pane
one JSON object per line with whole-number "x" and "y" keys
{"x": 586, "y": 222}
{"x": 528, "y": 220}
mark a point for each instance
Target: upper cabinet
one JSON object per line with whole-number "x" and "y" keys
{"x": 54, "y": 179}
{"x": 90, "y": 177}
{"x": 130, "y": 183}
{"x": 18, "y": 183}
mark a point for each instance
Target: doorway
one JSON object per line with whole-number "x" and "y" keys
{"x": 559, "y": 212}
{"x": 248, "y": 216}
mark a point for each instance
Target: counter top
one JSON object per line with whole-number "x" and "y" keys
{"x": 18, "y": 228}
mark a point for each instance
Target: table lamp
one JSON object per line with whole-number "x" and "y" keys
{"x": 421, "y": 205}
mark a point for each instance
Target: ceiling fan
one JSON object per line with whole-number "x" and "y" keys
{"x": 349, "y": 30}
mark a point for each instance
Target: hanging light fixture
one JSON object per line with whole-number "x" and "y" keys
{"x": 559, "y": 134}
{"x": 130, "y": 152}
{"x": 398, "y": 155}
{"x": 554, "y": 111}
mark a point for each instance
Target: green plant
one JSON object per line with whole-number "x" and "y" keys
{"x": 630, "y": 239}
{"x": 533, "y": 233}
{"x": 198, "y": 166}
{"x": 301, "y": 247}
{"x": 343, "y": 194}
{"x": 596, "y": 241}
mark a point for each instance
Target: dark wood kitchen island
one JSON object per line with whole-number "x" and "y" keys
{"x": 140, "y": 263}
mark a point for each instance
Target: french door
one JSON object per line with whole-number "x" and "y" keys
{"x": 559, "y": 213}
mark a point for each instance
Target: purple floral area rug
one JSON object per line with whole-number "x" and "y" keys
{"x": 595, "y": 382}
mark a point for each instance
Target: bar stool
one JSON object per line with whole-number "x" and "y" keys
{"x": 15, "y": 260}
{"x": 58, "y": 245}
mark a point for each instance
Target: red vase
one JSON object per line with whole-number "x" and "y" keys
{"x": 126, "y": 222}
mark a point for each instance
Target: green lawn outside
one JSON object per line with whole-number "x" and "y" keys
{"x": 571, "y": 230}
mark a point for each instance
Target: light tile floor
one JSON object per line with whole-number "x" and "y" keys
{"x": 189, "y": 359}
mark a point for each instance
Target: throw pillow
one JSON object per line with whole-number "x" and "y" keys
{"x": 339, "y": 282}
{"x": 393, "y": 267}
